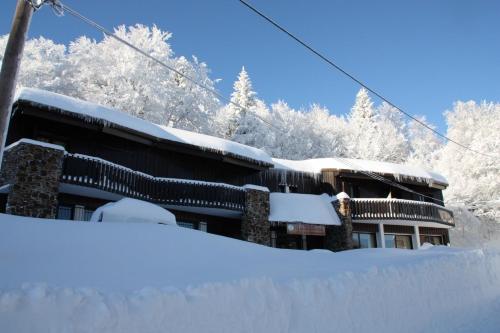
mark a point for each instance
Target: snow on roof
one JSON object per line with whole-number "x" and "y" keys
{"x": 108, "y": 115}
{"x": 111, "y": 116}
{"x": 303, "y": 208}
{"x": 255, "y": 187}
{"x": 133, "y": 210}
{"x": 399, "y": 171}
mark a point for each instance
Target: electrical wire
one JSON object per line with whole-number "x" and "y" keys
{"x": 61, "y": 8}
{"x": 389, "y": 182}
{"x": 355, "y": 79}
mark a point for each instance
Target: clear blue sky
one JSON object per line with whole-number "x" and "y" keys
{"x": 424, "y": 54}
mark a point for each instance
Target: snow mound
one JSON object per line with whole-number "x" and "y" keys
{"x": 303, "y": 208}
{"x": 61, "y": 276}
{"x": 92, "y": 111}
{"x": 399, "y": 171}
{"x": 132, "y": 210}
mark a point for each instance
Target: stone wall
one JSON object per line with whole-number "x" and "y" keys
{"x": 33, "y": 171}
{"x": 339, "y": 238}
{"x": 255, "y": 225}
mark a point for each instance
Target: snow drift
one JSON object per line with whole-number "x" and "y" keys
{"x": 62, "y": 276}
{"x": 134, "y": 211}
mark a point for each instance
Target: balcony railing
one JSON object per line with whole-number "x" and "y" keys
{"x": 398, "y": 209}
{"x": 103, "y": 175}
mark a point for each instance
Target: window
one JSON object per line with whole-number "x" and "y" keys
{"x": 203, "y": 226}
{"x": 398, "y": 241}
{"x": 87, "y": 214}
{"x": 64, "y": 213}
{"x": 188, "y": 225}
{"x": 79, "y": 213}
{"x": 363, "y": 240}
{"x": 432, "y": 239}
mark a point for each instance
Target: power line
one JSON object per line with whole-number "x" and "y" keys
{"x": 386, "y": 181}
{"x": 60, "y": 8}
{"x": 353, "y": 78}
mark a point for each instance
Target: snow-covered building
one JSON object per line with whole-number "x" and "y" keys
{"x": 65, "y": 158}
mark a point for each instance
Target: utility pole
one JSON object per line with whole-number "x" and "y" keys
{"x": 10, "y": 65}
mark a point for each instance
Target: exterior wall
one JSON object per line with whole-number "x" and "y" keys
{"x": 255, "y": 226}
{"x": 339, "y": 238}
{"x": 33, "y": 172}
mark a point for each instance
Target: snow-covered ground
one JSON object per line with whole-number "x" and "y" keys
{"x": 61, "y": 276}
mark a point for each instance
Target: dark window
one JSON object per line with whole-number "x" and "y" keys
{"x": 64, "y": 213}
{"x": 362, "y": 240}
{"x": 398, "y": 241}
{"x": 87, "y": 214}
{"x": 188, "y": 225}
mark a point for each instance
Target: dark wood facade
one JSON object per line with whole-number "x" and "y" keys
{"x": 121, "y": 161}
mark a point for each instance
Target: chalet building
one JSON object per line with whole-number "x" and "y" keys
{"x": 65, "y": 158}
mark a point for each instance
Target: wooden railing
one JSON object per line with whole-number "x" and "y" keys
{"x": 398, "y": 209}
{"x": 103, "y": 175}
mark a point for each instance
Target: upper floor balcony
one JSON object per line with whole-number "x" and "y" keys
{"x": 399, "y": 209}
{"x": 109, "y": 177}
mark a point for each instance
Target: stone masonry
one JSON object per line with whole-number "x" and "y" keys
{"x": 339, "y": 238}
{"x": 33, "y": 170}
{"x": 255, "y": 225}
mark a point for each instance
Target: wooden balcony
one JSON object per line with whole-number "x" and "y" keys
{"x": 398, "y": 209}
{"x": 103, "y": 175}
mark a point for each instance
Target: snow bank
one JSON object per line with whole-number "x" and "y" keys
{"x": 134, "y": 211}
{"x": 111, "y": 116}
{"x": 399, "y": 171}
{"x": 61, "y": 276}
{"x": 305, "y": 208}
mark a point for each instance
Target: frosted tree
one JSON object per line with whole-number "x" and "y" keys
{"x": 424, "y": 144}
{"x": 474, "y": 179}
{"x": 110, "y": 73}
{"x": 375, "y": 133}
{"x": 308, "y": 133}
{"x": 245, "y": 119}
{"x": 141, "y": 87}
{"x": 43, "y": 64}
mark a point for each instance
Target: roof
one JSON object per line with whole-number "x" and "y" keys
{"x": 110, "y": 117}
{"x": 303, "y": 208}
{"x": 399, "y": 171}
{"x": 91, "y": 112}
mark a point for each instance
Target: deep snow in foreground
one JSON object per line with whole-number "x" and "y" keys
{"x": 62, "y": 276}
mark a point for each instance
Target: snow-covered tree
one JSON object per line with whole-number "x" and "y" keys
{"x": 110, "y": 73}
{"x": 424, "y": 144}
{"x": 375, "y": 133}
{"x": 474, "y": 179}
{"x": 245, "y": 119}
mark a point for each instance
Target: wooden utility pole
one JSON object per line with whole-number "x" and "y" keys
{"x": 10, "y": 65}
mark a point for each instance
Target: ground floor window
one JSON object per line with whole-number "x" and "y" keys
{"x": 398, "y": 241}
{"x": 432, "y": 239}
{"x": 64, "y": 213}
{"x": 76, "y": 212}
{"x": 363, "y": 240}
{"x": 188, "y": 225}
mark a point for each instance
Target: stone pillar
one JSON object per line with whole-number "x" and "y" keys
{"x": 339, "y": 238}
{"x": 255, "y": 226}
{"x": 33, "y": 170}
